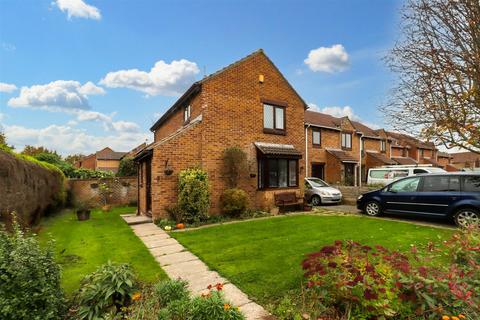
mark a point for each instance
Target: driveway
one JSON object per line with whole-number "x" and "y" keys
{"x": 422, "y": 221}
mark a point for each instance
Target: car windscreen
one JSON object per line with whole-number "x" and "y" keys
{"x": 318, "y": 183}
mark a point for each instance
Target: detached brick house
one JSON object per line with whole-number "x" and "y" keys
{"x": 247, "y": 104}
{"x": 103, "y": 160}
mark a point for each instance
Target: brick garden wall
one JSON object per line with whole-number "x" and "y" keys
{"x": 123, "y": 190}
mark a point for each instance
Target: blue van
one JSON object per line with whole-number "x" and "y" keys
{"x": 444, "y": 195}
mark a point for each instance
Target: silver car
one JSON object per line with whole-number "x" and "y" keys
{"x": 319, "y": 192}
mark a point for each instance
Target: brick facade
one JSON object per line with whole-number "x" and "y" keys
{"x": 227, "y": 111}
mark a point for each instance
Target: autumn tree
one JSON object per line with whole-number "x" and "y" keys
{"x": 74, "y": 158}
{"x": 437, "y": 61}
{"x": 33, "y": 151}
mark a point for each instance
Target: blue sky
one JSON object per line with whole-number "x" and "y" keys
{"x": 77, "y": 75}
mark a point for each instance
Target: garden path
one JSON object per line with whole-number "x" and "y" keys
{"x": 178, "y": 262}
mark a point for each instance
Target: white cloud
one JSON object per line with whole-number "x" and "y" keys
{"x": 163, "y": 79}
{"x": 107, "y": 121}
{"x": 78, "y": 8}
{"x": 2, "y": 116}
{"x": 68, "y": 140}
{"x": 8, "y": 47}
{"x": 7, "y": 87}
{"x": 60, "y": 94}
{"x": 328, "y": 59}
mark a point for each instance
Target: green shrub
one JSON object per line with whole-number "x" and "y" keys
{"x": 82, "y": 173}
{"x": 213, "y": 307}
{"x": 175, "y": 213}
{"x": 29, "y": 279}
{"x": 127, "y": 167}
{"x": 109, "y": 288}
{"x": 171, "y": 290}
{"x": 193, "y": 195}
{"x": 234, "y": 165}
{"x": 234, "y": 202}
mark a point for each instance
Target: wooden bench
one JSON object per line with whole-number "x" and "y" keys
{"x": 287, "y": 199}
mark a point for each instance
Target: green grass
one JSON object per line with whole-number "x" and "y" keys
{"x": 263, "y": 257}
{"x": 82, "y": 246}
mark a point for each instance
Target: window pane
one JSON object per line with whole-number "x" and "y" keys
{"x": 267, "y": 116}
{"x": 472, "y": 184}
{"x": 272, "y": 173}
{"x": 260, "y": 174}
{"x": 454, "y": 184}
{"x": 279, "y": 118}
{"x": 406, "y": 185}
{"x": 282, "y": 173}
{"x": 435, "y": 184}
{"x": 292, "y": 169}
{"x": 316, "y": 137}
{"x": 343, "y": 140}
{"x": 349, "y": 140}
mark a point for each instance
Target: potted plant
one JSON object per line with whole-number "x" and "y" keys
{"x": 82, "y": 209}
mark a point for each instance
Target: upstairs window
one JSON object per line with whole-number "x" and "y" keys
{"x": 273, "y": 119}
{"x": 346, "y": 141}
{"x": 316, "y": 137}
{"x": 421, "y": 153}
{"x": 383, "y": 146}
{"x": 186, "y": 114}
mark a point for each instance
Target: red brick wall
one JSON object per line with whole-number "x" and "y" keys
{"x": 398, "y": 152}
{"x": 123, "y": 190}
{"x": 88, "y": 162}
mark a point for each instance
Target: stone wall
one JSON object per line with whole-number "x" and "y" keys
{"x": 27, "y": 188}
{"x": 122, "y": 190}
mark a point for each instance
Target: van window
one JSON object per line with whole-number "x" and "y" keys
{"x": 418, "y": 171}
{"x": 405, "y": 185}
{"x": 471, "y": 184}
{"x": 441, "y": 183}
{"x": 379, "y": 174}
{"x": 395, "y": 174}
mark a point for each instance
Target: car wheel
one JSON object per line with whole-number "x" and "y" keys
{"x": 316, "y": 200}
{"x": 372, "y": 209}
{"x": 467, "y": 217}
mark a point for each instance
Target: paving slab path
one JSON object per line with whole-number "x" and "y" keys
{"x": 179, "y": 263}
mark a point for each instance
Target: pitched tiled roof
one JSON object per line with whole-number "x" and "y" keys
{"x": 341, "y": 155}
{"x": 462, "y": 157}
{"x": 381, "y": 157}
{"x": 109, "y": 154}
{"x": 197, "y": 87}
{"x": 274, "y": 149}
{"x": 444, "y": 154}
{"x": 404, "y": 160}
{"x": 411, "y": 140}
{"x": 367, "y": 131}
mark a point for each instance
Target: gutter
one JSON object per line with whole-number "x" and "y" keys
{"x": 360, "y": 168}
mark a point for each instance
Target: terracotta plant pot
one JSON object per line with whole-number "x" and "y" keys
{"x": 83, "y": 215}
{"x": 180, "y": 226}
{"x": 106, "y": 208}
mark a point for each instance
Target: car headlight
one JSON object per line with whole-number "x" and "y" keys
{"x": 324, "y": 193}
{"x": 360, "y": 197}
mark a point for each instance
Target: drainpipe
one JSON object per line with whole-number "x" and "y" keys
{"x": 360, "y": 169}
{"x": 306, "y": 151}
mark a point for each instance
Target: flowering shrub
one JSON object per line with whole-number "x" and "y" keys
{"x": 371, "y": 282}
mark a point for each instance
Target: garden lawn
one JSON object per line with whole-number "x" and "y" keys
{"x": 262, "y": 257}
{"x": 82, "y": 246}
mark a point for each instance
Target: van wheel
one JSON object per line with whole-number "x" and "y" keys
{"x": 467, "y": 217}
{"x": 372, "y": 209}
{"x": 316, "y": 200}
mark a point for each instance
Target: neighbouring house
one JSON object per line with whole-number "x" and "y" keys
{"x": 466, "y": 160}
{"x": 103, "y": 160}
{"x": 248, "y": 104}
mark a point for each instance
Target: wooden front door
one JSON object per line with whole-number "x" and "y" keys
{"x": 148, "y": 186}
{"x": 349, "y": 174}
{"x": 318, "y": 170}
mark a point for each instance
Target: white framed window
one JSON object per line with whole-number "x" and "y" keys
{"x": 316, "y": 137}
{"x": 346, "y": 140}
{"x": 383, "y": 146}
{"x": 273, "y": 119}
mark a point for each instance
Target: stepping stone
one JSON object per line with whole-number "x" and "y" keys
{"x": 159, "y": 242}
{"x": 154, "y": 237}
{"x": 173, "y": 258}
{"x": 135, "y": 220}
{"x": 253, "y": 311}
{"x": 160, "y": 251}
{"x": 200, "y": 284}
{"x": 235, "y": 295}
{"x": 179, "y": 270}
{"x": 147, "y": 232}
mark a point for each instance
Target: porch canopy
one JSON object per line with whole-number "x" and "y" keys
{"x": 275, "y": 150}
{"x": 404, "y": 160}
{"x": 381, "y": 157}
{"x": 342, "y": 156}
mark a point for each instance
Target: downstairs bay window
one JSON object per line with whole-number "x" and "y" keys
{"x": 277, "y": 173}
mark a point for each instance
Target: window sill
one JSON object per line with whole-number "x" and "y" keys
{"x": 317, "y": 146}
{"x": 346, "y": 149}
{"x": 279, "y": 188}
{"x": 275, "y": 131}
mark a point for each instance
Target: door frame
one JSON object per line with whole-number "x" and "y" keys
{"x": 148, "y": 186}
{"x": 322, "y": 164}
{"x": 351, "y": 181}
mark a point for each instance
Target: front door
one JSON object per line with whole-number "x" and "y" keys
{"x": 318, "y": 170}
{"x": 148, "y": 186}
{"x": 349, "y": 174}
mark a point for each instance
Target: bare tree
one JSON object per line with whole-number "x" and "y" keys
{"x": 437, "y": 61}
